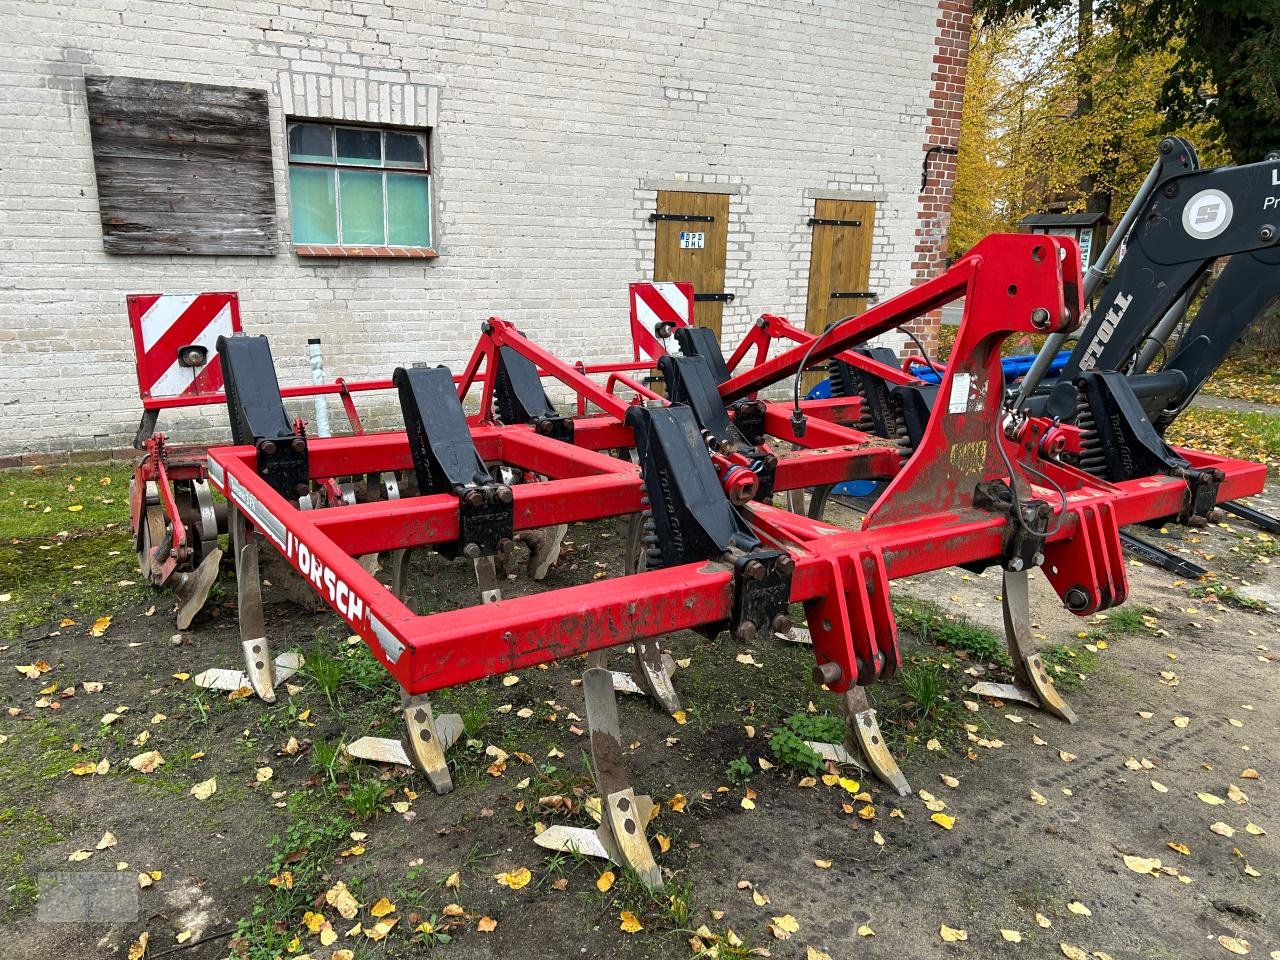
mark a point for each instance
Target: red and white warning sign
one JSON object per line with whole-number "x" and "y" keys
{"x": 174, "y": 341}
{"x": 657, "y": 303}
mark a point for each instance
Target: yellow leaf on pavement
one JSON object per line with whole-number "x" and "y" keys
{"x": 382, "y": 908}
{"x": 515, "y": 879}
{"x": 486, "y": 925}
{"x": 138, "y": 949}
{"x": 1072, "y": 953}
{"x": 205, "y": 789}
{"x": 822, "y": 864}
{"x": 1011, "y": 936}
{"x": 453, "y": 880}
{"x": 630, "y": 923}
{"x": 1148, "y": 865}
{"x": 945, "y": 821}
{"x": 99, "y": 626}
{"x": 865, "y": 931}
{"x": 676, "y": 803}
{"x": 1222, "y": 829}
{"x": 1210, "y": 799}
{"x": 952, "y": 934}
{"x": 1075, "y": 906}
{"x": 1234, "y": 945}
{"x": 813, "y": 953}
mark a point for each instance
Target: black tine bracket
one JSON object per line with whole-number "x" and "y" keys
{"x": 761, "y": 594}
{"x": 1027, "y": 526}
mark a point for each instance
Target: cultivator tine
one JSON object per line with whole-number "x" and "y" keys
{"x": 253, "y": 629}
{"x": 1032, "y": 684}
{"x": 425, "y": 742}
{"x": 262, "y": 672}
{"x": 487, "y": 579}
{"x": 863, "y": 738}
{"x": 423, "y": 747}
{"x": 654, "y": 667}
{"x": 193, "y": 588}
{"x": 400, "y": 572}
{"x": 623, "y": 815}
{"x": 259, "y": 668}
{"x": 653, "y": 673}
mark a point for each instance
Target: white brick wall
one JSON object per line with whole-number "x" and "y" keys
{"x": 553, "y": 122}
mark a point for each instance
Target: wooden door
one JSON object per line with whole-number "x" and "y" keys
{"x": 690, "y": 239}
{"x": 839, "y": 264}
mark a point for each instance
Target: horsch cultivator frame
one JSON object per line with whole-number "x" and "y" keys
{"x": 695, "y": 473}
{"x": 174, "y": 519}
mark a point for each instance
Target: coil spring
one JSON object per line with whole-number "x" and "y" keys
{"x": 835, "y": 368}
{"x": 1092, "y": 458}
{"x": 900, "y": 436}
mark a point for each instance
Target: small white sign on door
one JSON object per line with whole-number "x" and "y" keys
{"x": 692, "y": 241}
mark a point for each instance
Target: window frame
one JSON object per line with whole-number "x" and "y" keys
{"x": 335, "y": 165}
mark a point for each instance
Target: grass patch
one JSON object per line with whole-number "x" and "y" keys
{"x": 1067, "y": 662}
{"x": 1228, "y": 597}
{"x": 1245, "y": 436}
{"x": 1254, "y": 377}
{"x": 66, "y": 550}
{"x": 931, "y": 624}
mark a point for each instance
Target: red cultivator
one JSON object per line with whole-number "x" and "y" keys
{"x": 696, "y": 472}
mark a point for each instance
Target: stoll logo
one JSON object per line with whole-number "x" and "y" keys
{"x": 1207, "y": 214}
{"x": 1109, "y": 322}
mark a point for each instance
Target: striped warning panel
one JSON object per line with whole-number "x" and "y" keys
{"x": 165, "y": 325}
{"x": 653, "y": 304}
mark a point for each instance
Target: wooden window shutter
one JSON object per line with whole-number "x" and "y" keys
{"x": 182, "y": 167}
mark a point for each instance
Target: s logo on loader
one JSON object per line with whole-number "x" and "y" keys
{"x": 1207, "y": 214}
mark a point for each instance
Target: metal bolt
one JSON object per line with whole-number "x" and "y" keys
{"x": 782, "y": 623}
{"x": 746, "y": 632}
{"x": 784, "y": 565}
{"x": 1166, "y": 145}
{"x": 1267, "y": 233}
{"x": 504, "y": 494}
{"x": 544, "y": 426}
{"x": 827, "y": 673}
{"x": 471, "y": 551}
{"x": 473, "y": 498}
{"x": 1016, "y": 564}
{"x": 1038, "y": 559}
{"x": 1171, "y": 190}
{"x": 506, "y": 545}
{"x": 267, "y": 447}
{"x": 486, "y": 327}
{"x": 754, "y": 570}
{"x": 298, "y": 444}
{"x": 1076, "y": 599}
{"x": 1040, "y": 318}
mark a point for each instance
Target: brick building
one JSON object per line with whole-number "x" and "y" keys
{"x": 386, "y": 175}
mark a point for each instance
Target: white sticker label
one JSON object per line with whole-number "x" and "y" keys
{"x": 958, "y": 400}
{"x": 692, "y": 241}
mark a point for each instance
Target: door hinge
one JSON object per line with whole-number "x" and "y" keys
{"x": 683, "y": 217}
{"x": 713, "y": 297}
{"x": 824, "y": 222}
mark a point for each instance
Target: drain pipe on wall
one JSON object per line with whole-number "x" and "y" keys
{"x": 318, "y": 377}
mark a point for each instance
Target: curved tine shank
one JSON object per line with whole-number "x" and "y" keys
{"x": 863, "y": 738}
{"x": 621, "y": 825}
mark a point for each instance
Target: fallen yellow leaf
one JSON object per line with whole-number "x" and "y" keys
{"x": 382, "y": 908}
{"x": 945, "y": 821}
{"x": 630, "y": 923}
{"x": 486, "y": 925}
{"x": 1011, "y": 936}
{"x": 1075, "y": 906}
{"x": 952, "y": 934}
{"x": 205, "y": 789}
{"x": 605, "y": 881}
{"x": 822, "y": 864}
{"x": 1147, "y": 865}
{"x": 1234, "y": 945}
{"x": 1072, "y": 953}
{"x": 99, "y": 626}
{"x": 515, "y": 879}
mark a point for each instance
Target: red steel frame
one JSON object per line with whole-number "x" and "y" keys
{"x": 926, "y": 520}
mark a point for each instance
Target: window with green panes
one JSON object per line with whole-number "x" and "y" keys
{"x": 359, "y": 186}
